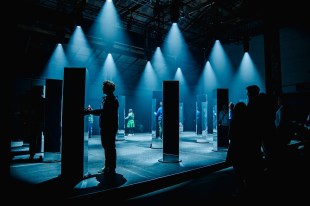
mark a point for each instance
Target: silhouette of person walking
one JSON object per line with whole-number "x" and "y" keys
{"x": 36, "y": 120}
{"x": 237, "y": 150}
{"x": 90, "y": 122}
{"x": 108, "y": 122}
{"x": 253, "y": 128}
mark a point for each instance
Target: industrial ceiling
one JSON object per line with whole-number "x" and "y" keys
{"x": 43, "y": 23}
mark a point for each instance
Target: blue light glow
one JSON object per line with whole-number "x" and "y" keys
{"x": 221, "y": 65}
{"x": 55, "y": 66}
{"x": 246, "y": 75}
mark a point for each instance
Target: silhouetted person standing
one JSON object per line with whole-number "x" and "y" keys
{"x": 108, "y": 122}
{"x": 268, "y": 129}
{"x": 237, "y": 150}
{"x": 253, "y": 128}
{"x": 307, "y": 122}
{"x": 159, "y": 117}
{"x": 198, "y": 122}
{"x": 90, "y": 122}
{"x": 231, "y": 107}
{"x": 282, "y": 122}
{"x": 36, "y": 120}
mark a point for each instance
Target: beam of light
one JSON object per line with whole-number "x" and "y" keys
{"x": 174, "y": 43}
{"x": 79, "y": 53}
{"x": 179, "y": 58}
{"x": 246, "y": 75}
{"x": 107, "y": 27}
{"x": 207, "y": 80}
{"x": 221, "y": 65}
{"x": 54, "y": 68}
{"x": 107, "y": 31}
{"x": 109, "y": 71}
{"x": 104, "y": 25}
{"x": 179, "y": 75}
{"x": 184, "y": 88}
{"x": 175, "y": 49}
{"x": 78, "y": 50}
{"x": 160, "y": 67}
{"x": 148, "y": 79}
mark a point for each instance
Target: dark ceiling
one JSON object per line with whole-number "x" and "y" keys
{"x": 43, "y": 23}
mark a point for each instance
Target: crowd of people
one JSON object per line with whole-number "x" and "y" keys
{"x": 259, "y": 134}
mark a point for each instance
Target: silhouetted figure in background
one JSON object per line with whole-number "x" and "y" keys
{"x": 108, "y": 123}
{"x": 283, "y": 132}
{"x": 307, "y": 122}
{"x": 254, "y": 128}
{"x": 268, "y": 130}
{"x": 130, "y": 122}
{"x": 306, "y": 136}
{"x": 198, "y": 122}
{"x": 159, "y": 117}
{"x": 90, "y": 121}
{"x": 36, "y": 120}
{"x": 282, "y": 122}
{"x": 237, "y": 150}
{"x": 231, "y": 107}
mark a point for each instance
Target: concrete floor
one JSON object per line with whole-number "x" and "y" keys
{"x": 200, "y": 177}
{"x": 138, "y": 161}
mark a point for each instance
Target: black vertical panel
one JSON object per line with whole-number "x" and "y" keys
{"x": 121, "y": 118}
{"x": 222, "y": 98}
{"x": 171, "y": 120}
{"x": 72, "y": 165}
{"x": 121, "y": 113}
{"x": 6, "y": 131}
{"x": 53, "y": 97}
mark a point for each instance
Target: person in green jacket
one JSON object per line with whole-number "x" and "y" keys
{"x": 130, "y": 122}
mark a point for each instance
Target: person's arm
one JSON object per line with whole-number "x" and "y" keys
{"x": 95, "y": 112}
{"x": 157, "y": 112}
{"x": 127, "y": 116}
